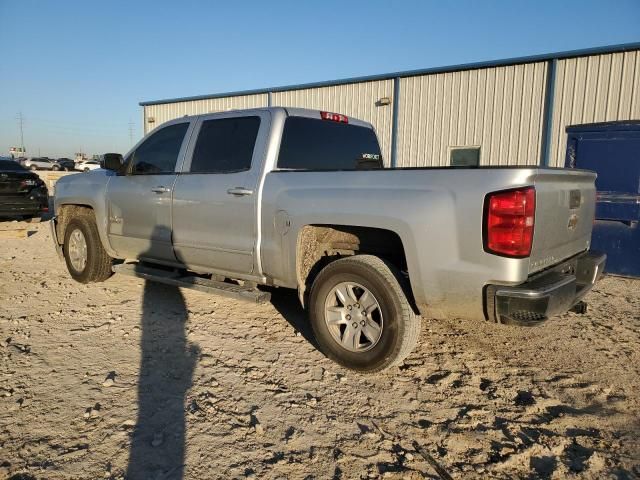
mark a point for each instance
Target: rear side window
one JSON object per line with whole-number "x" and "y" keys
{"x": 225, "y": 145}
{"x": 311, "y": 144}
{"x": 159, "y": 152}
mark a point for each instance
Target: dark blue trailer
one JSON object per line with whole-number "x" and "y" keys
{"x": 612, "y": 149}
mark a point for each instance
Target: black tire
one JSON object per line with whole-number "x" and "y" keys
{"x": 401, "y": 326}
{"x": 98, "y": 265}
{"x": 86, "y": 169}
{"x": 55, "y": 168}
{"x": 33, "y": 168}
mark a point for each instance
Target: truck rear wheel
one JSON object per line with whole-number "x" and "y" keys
{"x": 360, "y": 314}
{"x": 86, "y": 258}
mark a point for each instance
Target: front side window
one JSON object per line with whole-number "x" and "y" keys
{"x": 225, "y": 145}
{"x": 159, "y": 153}
{"x": 313, "y": 144}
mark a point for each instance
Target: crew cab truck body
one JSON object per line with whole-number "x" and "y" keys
{"x": 298, "y": 199}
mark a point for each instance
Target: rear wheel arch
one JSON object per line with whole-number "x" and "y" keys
{"x": 318, "y": 245}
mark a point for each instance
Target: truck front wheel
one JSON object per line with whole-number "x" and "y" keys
{"x": 360, "y": 314}
{"x": 86, "y": 258}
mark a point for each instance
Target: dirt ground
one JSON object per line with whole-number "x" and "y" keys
{"x": 126, "y": 379}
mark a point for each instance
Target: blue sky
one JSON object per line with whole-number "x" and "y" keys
{"x": 77, "y": 69}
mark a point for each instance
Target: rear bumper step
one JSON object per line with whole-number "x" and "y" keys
{"x": 550, "y": 293}
{"x": 169, "y": 277}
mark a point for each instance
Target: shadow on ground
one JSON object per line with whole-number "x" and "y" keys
{"x": 166, "y": 369}
{"x": 288, "y": 305}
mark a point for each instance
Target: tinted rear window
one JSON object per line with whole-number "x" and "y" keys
{"x": 310, "y": 144}
{"x": 10, "y": 165}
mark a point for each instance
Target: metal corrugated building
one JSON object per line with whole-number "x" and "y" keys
{"x": 164, "y": 112}
{"x": 597, "y": 88}
{"x": 514, "y": 111}
{"x": 354, "y": 99}
{"x": 498, "y": 109}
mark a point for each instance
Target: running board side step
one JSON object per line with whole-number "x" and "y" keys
{"x": 191, "y": 281}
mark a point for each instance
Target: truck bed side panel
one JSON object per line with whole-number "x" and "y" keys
{"x": 436, "y": 213}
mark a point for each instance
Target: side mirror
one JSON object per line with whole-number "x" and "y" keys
{"x": 112, "y": 161}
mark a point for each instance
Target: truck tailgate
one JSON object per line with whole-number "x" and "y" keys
{"x": 565, "y": 209}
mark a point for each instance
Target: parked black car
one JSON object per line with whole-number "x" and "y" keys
{"x": 22, "y": 193}
{"x": 64, "y": 164}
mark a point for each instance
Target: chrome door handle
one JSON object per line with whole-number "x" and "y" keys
{"x": 240, "y": 191}
{"x": 161, "y": 189}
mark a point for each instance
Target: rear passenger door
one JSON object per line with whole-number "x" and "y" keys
{"x": 215, "y": 195}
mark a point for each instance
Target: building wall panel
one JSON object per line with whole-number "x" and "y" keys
{"x": 597, "y": 88}
{"x": 357, "y": 100}
{"x": 164, "y": 112}
{"x": 499, "y": 109}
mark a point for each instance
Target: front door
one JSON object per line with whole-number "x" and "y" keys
{"x": 214, "y": 201}
{"x": 139, "y": 199}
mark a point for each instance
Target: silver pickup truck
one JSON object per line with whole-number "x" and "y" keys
{"x": 283, "y": 197}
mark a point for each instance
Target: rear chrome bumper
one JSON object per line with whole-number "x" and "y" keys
{"x": 544, "y": 295}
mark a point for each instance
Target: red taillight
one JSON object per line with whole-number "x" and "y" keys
{"x": 334, "y": 117}
{"x": 509, "y": 221}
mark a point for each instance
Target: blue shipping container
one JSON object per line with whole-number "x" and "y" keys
{"x": 612, "y": 149}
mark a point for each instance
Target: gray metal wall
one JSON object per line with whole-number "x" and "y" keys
{"x": 168, "y": 111}
{"x": 356, "y": 100}
{"x": 498, "y": 109}
{"x": 593, "y": 89}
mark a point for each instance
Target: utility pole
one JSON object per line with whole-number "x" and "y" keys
{"x": 130, "y": 133}
{"x": 20, "y": 119}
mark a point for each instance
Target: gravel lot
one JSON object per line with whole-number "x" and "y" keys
{"x": 128, "y": 379}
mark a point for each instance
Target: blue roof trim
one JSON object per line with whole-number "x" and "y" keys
{"x": 616, "y": 125}
{"x": 412, "y": 73}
